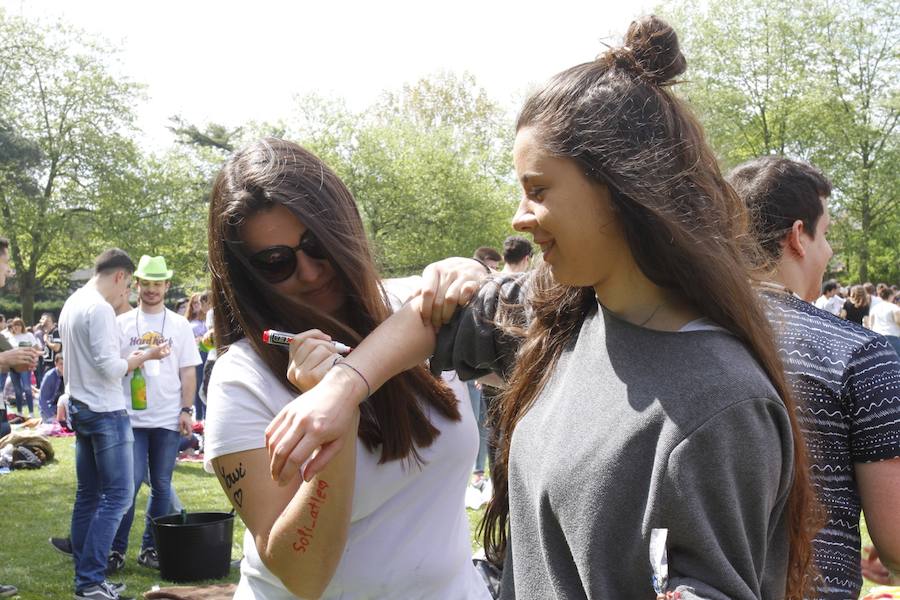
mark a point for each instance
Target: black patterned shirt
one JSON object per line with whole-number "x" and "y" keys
{"x": 846, "y": 382}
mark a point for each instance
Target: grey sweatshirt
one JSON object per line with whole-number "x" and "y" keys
{"x": 639, "y": 429}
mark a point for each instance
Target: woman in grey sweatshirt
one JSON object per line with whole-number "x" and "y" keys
{"x": 645, "y": 391}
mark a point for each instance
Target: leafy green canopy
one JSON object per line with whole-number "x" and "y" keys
{"x": 813, "y": 80}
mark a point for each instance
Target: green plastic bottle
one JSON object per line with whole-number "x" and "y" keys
{"x": 138, "y": 390}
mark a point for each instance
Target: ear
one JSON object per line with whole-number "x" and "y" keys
{"x": 793, "y": 240}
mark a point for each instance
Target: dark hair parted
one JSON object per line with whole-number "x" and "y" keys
{"x": 273, "y": 172}
{"x": 778, "y": 192}
{"x": 830, "y": 286}
{"x": 4, "y": 245}
{"x": 111, "y": 260}
{"x": 487, "y": 253}
{"x": 686, "y": 229}
{"x": 516, "y": 249}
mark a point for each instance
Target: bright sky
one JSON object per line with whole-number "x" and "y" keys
{"x": 230, "y": 62}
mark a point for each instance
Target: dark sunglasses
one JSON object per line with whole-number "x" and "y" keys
{"x": 277, "y": 263}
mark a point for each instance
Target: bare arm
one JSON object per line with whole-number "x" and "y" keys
{"x": 879, "y": 490}
{"x": 403, "y": 341}
{"x": 300, "y": 529}
{"x": 321, "y": 416}
{"x": 188, "y": 376}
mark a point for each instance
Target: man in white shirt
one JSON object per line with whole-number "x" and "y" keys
{"x": 171, "y": 385}
{"x": 93, "y": 372}
{"x": 830, "y": 300}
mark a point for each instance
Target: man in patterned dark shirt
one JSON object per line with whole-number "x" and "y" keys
{"x": 846, "y": 379}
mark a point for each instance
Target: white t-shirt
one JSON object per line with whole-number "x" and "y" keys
{"x": 164, "y": 390}
{"x": 883, "y": 318}
{"x": 94, "y": 368}
{"x": 832, "y": 305}
{"x": 409, "y": 534}
{"x": 27, "y": 337}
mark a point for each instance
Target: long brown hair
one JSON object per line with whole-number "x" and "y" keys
{"x": 190, "y": 314}
{"x": 684, "y": 225}
{"x": 858, "y": 296}
{"x": 274, "y": 172}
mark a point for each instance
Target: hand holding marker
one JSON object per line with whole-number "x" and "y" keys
{"x": 281, "y": 338}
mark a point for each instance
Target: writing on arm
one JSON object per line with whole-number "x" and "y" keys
{"x": 307, "y": 532}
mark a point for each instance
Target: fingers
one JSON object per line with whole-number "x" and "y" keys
{"x": 293, "y": 459}
{"x": 312, "y": 354}
{"x": 428, "y": 293}
{"x": 299, "y": 345}
{"x": 325, "y": 454}
{"x": 318, "y": 361}
{"x": 281, "y": 444}
{"x": 458, "y": 293}
{"x": 445, "y": 299}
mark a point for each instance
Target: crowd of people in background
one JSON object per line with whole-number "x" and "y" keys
{"x": 159, "y": 432}
{"x": 875, "y": 307}
{"x": 35, "y": 393}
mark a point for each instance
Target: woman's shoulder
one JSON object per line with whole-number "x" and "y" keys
{"x": 717, "y": 372}
{"x": 240, "y": 363}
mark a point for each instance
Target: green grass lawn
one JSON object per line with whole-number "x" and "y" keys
{"x": 38, "y": 504}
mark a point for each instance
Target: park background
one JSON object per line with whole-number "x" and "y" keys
{"x": 92, "y": 156}
{"x": 114, "y": 118}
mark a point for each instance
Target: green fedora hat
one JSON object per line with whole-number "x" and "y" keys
{"x": 152, "y": 268}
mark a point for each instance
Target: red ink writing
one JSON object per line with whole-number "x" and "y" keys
{"x": 315, "y": 503}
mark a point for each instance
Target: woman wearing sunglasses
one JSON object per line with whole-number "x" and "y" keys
{"x": 386, "y": 518}
{"x": 645, "y": 390}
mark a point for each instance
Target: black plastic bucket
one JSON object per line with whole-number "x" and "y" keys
{"x": 194, "y": 546}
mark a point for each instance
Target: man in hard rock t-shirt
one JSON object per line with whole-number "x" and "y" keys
{"x": 170, "y": 384}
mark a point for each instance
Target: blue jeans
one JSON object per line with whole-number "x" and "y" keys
{"x": 22, "y": 385}
{"x": 480, "y": 411}
{"x": 103, "y": 465}
{"x": 156, "y": 449}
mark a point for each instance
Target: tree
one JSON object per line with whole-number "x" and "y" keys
{"x": 59, "y": 96}
{"x": 429, "y": 167}
{"x": 213, "y": 136}
{"x": 860, "y": 143}
{"x": 815, "y": 81}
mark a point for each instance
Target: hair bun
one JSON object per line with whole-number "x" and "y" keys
{"x": 654, "y": 45}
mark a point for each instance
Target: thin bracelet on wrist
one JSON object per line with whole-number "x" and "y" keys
{"x": 341, "y": 363}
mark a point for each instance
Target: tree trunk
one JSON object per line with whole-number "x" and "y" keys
{"x": 865, "y": 218}
{"x": 26, "y": 296}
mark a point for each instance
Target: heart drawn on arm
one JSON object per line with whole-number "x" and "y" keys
{"x": 239, "y": 497}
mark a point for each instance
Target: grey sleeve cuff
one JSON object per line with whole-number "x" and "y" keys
{"x": 472, "y": 344}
